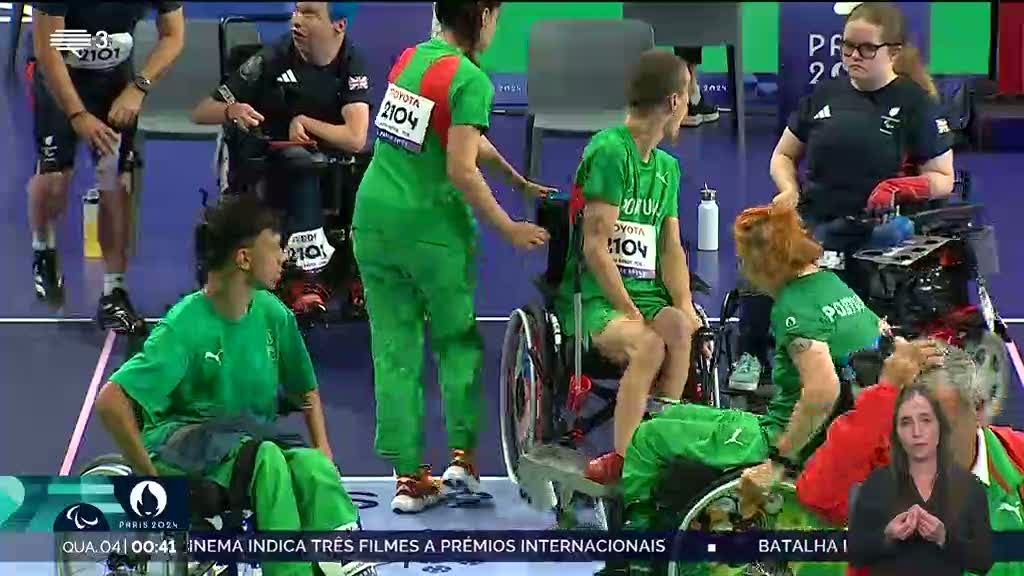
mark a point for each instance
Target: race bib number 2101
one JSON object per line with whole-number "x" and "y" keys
{"x": 403, "y": 118}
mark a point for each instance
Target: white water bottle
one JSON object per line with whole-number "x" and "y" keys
{"x": 707, "y": 220}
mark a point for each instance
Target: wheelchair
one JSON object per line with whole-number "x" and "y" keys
{"x": 212, "y": 508}
{"x": 249, "y": 163}
{"x": 922, "y": 286}
{"x": 546, "y": 380}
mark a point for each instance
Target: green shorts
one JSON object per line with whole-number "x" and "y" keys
{"x": 598, "y": 312}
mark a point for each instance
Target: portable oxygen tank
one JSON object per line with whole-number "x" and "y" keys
{"x": 707, "y": 220}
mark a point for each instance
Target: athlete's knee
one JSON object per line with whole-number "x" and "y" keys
{"x": 270, "y": 459}
{"x": 646, "y": 347}
{"x": 311, "y": 462}
{"x": 53, "y": 183}
{"x": 675, "y": 327}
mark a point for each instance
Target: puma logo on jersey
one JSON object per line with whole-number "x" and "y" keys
{"x": 215, "y": 357}
{"x": 662, "y": 178}
{"x": 288, "y": 78}
{"x": 825, "y": 112}
{"x": 1012, "y": 508}
{"x": 735, "y": 438}
{"x": 942, "y": 125}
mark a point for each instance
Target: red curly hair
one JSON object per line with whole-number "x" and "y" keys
{"x": 773, "y": 245}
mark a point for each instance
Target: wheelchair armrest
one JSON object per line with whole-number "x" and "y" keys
{"x": 951, "y": 214}
{"x": 283, "y": 144}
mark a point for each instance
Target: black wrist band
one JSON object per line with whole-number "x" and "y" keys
{"x": 775, "y": 456}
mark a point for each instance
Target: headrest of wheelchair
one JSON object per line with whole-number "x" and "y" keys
{"x": 553, "y": 214}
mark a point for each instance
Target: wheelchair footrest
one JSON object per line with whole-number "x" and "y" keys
{"x": 564, "y": 468}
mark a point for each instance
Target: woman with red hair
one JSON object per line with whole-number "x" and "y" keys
{"x": 817, "y": 321}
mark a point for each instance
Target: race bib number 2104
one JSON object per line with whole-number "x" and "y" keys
{"x": 634, "y": 248}
{"x": 403, "y": 118}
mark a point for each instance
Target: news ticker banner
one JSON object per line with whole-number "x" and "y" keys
{"x": 93, "y": 504}
{"x": 427, "y": 546}
{"x": 519, "y": 546}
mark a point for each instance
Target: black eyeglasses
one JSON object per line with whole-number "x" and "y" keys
{"x": 867, "y": 50}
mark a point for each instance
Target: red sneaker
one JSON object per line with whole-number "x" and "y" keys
{"x": 416, "y": 493}
{"x": 605, "y": 469}
{"x": 311, "y": 299}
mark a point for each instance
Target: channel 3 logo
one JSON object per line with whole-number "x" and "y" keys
{"x": 69, "y": 40}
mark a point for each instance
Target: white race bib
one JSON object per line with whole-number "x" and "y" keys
{"x": 116, "y": 49}
{"x": 403, "y": 118}
{"x": 310, "y": 250}
{"x": 634, "y": 248}
{"x": 832, "y": 260}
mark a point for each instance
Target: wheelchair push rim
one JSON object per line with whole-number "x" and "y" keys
{"x": 727, "y": 489}
{"x": 520, "y": 389}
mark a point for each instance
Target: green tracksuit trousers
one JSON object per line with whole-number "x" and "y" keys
{"x": 712, "y": 436}
{"x": 408, "y": 283}
{"x": 297, "y": 489}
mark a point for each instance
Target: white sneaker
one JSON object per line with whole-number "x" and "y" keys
{"x": 460, "y": 476}
{"x": 746, "y": 374}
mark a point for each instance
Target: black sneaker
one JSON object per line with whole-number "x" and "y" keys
{"x": 49, "y": 283}
{"x": 700, "y": 113}
{"x": 116, "y": 313}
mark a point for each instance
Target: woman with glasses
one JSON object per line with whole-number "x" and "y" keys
{"x": 870, "y": 138}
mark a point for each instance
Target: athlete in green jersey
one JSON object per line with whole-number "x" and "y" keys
{"x": 637, "y": 306}
{"x": 415, "y": 240}
{"x": 818, "y": 322}
{"x": 210, "y": 375}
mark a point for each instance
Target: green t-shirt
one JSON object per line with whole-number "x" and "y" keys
{"x": 645, "y": 192}
{"x": 819, "y": 307}
{"x": 196, "y": 365}
{"x": 406, "y": 190}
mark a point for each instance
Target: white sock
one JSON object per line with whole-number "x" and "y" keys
{"x": 695, "y": 98}
{"x": 38, "y": 241}
{"x": 111, "y": 281}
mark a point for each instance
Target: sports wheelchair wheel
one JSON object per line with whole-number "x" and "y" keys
{"x": 524, "y": 400}
{"x": 721, "y": 509}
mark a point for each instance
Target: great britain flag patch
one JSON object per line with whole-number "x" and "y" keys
{"x": 358, "y": 83}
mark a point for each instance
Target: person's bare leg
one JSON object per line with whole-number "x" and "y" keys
{"x": 632, "y": 343}
{"x": 113, "y": 226}
{"x": 47, "y": 201}
{"x": 676, "y": 329}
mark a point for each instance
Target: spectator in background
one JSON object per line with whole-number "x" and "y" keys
{"x": 700, "y": 109}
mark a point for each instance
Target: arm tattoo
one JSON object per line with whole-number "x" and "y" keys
{"x": 799, "y": 346}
